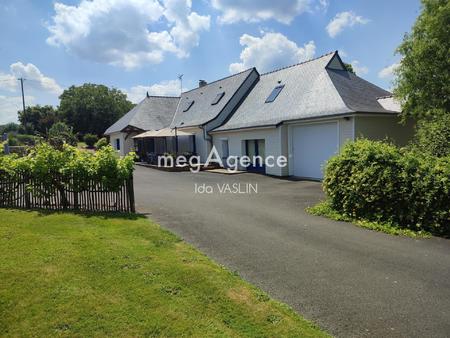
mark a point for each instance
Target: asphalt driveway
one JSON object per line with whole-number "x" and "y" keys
{"x": 352, "y": 282}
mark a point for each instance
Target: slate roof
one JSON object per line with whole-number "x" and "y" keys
{"x": 202, "y": 111}
{"x": 312, "y": 89}
{"x": 152, "y": 113}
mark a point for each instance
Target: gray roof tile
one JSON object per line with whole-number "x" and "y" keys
{"x": 152, "y": 113}
{"x": 311, "y": 90}
{"x": 202, "y": 111}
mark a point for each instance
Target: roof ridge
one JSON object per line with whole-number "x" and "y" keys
{"x": 298, "y": 64}
{"x": 163, "y": 96}
{"x": 224, "y": 78}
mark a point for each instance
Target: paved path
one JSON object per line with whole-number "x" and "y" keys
{"x": 352, "y": 282}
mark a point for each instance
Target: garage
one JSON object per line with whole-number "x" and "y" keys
{"x": 312, "y": 145}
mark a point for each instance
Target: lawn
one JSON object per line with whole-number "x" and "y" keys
{"x": 64, "y": 274}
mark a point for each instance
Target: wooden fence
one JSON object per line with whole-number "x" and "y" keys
{"x": 24, "y": 192}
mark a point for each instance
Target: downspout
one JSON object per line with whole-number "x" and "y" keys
{"x": 206, "y": 136}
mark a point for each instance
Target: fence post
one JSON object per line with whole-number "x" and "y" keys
{"x": 130, "y": 190}
{"x": 26, "y": 181}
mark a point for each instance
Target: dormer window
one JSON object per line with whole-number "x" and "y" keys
{"x": 218, "y": 98}
{"x": 277, "y": 90}
{"x": 188, "y": 105}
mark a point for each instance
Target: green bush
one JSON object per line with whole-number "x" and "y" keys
{"x": 70, "y": 167}
{"x": 60, "y": 134}
{"x": 433, "y": 135}
{"x": 103, "y": 142}
{"x": 27, "y": 140}
{"x": 377, "y": 181}
{"x": 90, "y": 140}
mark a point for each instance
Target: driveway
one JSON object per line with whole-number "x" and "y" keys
{"x": 352, "y": 282}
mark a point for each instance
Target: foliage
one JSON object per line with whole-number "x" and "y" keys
{"x": 379, "y": 182}
{"x": 433, "y": 136}
{"x": 68, "y": 168}
{"x": 9, "y": 127}
{"x": 349, "y": 67}
{"x": 60, "y": 134}
{"x": 423, "y": 77}
{"x": 103, "y": 142}
{"x": 325, "y": 209}
{"x": 90, "y": 140}
{"x": 91, "y": 108}
{"x": 38, "y": 119}
{"x": 71, "y": 275}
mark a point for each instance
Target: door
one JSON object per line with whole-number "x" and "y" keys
{"x": 312, "y": 146}
{"x": 256, "y": 148}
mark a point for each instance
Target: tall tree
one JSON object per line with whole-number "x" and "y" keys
{"x": 423, "y": 77}
{"x": 38, "y": 119}
{"x": 92, "y": 108}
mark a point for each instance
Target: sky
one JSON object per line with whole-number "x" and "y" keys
{"x": 143, "y": 45}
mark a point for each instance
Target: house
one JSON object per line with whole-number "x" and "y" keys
{"x": 208, "y": 106}
{"x": 306, "y": 113}
{"x": 152, "y": 113}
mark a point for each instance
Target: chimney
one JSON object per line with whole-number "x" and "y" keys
{"x": 202, "y": 83}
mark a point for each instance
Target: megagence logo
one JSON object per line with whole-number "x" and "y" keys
{"x": 232, "y": 163}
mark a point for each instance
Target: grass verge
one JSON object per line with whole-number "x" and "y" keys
{"x": 65, "y": 274}
{"x": 324, "y": 209}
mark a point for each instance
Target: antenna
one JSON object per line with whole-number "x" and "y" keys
{"x": 180, "y": 77}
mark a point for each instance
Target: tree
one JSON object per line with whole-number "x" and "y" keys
{"x": 349, "y": 68}
{"x": 9, "y": 128}
{"x": 423, "y": 77}
{"x": 92, "y": 108}
{"x": 61, "y": 133}
{"x": 38, "y": 119}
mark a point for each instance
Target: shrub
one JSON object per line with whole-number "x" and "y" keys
{"x": 103, "y": 142}
{"x": 60, "y": 134}
{"x": 90, "y": 140}
{"x": 433, "y": 135}
{"x": 28, "y": 140}
{"x": 379, "y": 182}
{"x": 68, "y": 168}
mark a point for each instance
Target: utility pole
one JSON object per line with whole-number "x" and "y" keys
{"x": 180, "y": 77}
{"x": 23, "y": 96}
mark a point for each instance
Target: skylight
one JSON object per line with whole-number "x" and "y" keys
{"x": 188, "y": 105}
{"x": 218, "y": 98}
{"x": 274, "y": 93}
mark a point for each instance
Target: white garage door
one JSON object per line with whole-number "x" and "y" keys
{"x": 312, "y": 145}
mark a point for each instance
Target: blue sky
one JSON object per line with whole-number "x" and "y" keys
{"x": 142, "y": 45}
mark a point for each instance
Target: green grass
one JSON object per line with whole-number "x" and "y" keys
{"x": 65, "y": 274}
{"x": 324, "y": 209}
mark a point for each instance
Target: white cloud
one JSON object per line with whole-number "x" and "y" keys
{"x": 388, "y": 71}
{"x": 272, "y": 50}
{"x": 10, "y": 105}
{"x": 254, "y": 11}
{"x": 358, "y": 68}
{"x": 343, "y": 20}
{"x": 127, "y": 33}
{"x": 34, "y": 79}
{"x": 165, "y": 88}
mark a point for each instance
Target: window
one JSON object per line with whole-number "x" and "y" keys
{"x": 117, "y": 143}
{"x": 274, "y": 93}
{"x": 188, "y": 105}
{"x": 218, "y": 98}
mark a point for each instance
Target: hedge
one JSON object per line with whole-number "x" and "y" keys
{"x": 377, "y": 181}
{"x": 69, "y": 166}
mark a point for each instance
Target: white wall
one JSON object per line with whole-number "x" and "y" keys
{"x": 126, "y": 143}
{"x": 382, "y": 127}
{"x": 275, "y": 144}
